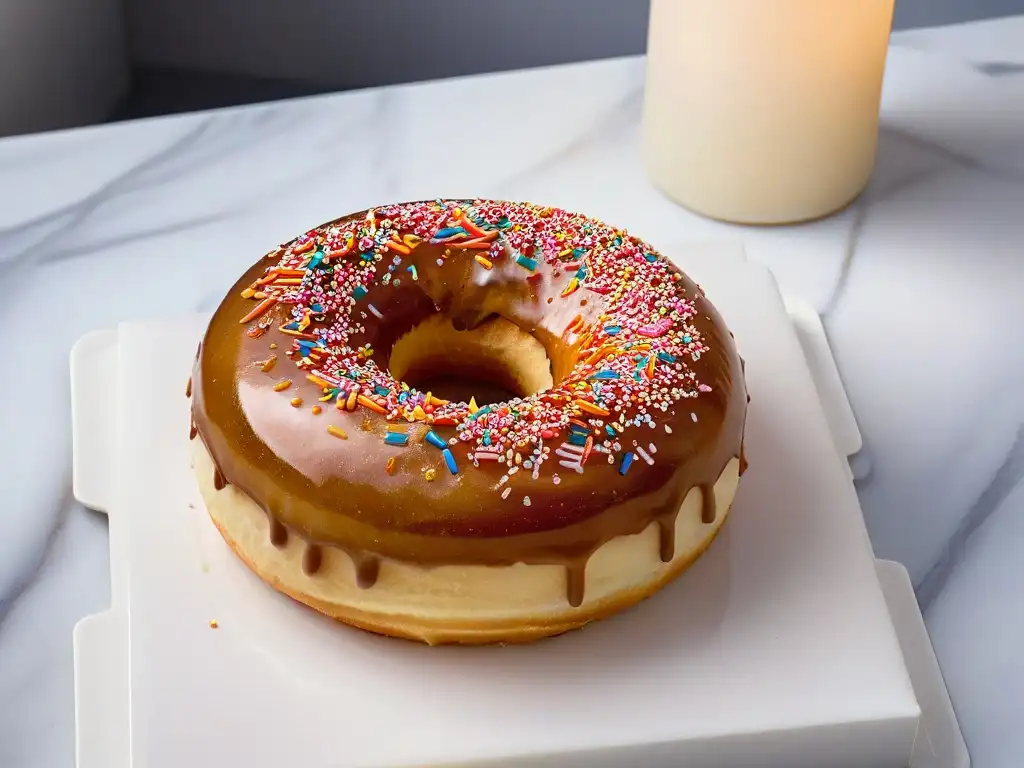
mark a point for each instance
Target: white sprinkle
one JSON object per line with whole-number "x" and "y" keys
{"x": 668, "y": 430}
{"x": 519, "y": 458}
{"x": 504, "y": 479}
{"x": 601, "y": 449}
{"x": 512, "y": 471}
{"x": 644, "y": 455}
{"x": 526, "y": 500}
{"x": 572, "y": 465}
{"x": 527, "y": 464}
{"x": 375, "y": 311}
{"x": 611, "y": 459}
{"x": 506, "y": 492}
{"x": 694, "y": 417}
{"x": 652, "y": 448}
{"x": 577, "y": 449}
{"x": 556, "y": 479}
{"x": 567, "y": 454}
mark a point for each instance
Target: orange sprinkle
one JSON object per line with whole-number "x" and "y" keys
{"x": 296, "y": 402}
{"x": 589, "y": 407}
{"x": 213, "y": 624}
{"x": 259, "y": 309}
{"x": 282, "y": 385}
{"x": 318, "y": 381}
{"x": 401, "y": 248}
{"x": 268, "y": 364}
{"x": 599, "y": 354}
{"x": 316, "y": 410}
{"x": 287, "y": 281}
{"x": 338, "y": 432}
{"x": 366, "y": 402}
{"x": 390, "y": 467}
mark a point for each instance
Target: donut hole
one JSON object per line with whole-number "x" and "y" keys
{"x": 493, "y": 362}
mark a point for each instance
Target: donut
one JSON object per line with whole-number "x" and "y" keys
{"x": 467, "y": 421}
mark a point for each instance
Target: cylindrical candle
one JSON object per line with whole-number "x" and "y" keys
{"x": 764, "y": 111}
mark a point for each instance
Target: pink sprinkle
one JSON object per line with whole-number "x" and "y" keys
{"x": 655, "y": 330}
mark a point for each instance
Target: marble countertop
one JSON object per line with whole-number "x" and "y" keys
{"x": 918, "y": 283}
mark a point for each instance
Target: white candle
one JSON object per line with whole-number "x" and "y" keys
{"x": 764, "y": 111}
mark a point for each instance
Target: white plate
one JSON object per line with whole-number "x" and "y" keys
{"x": 775, "y": 649}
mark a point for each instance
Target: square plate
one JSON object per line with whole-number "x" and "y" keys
{"x": 776, "y": 648}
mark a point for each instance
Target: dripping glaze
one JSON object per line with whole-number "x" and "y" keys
{"x": 649, "y": 400}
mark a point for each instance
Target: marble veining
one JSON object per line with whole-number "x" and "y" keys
{"x": 918, "y": 282}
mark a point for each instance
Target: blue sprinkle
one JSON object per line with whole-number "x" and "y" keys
{"x": 449, "y": 232}
{"x": 525, "y": 261}
{"x": 665, "y": 357}
{"x": 396, "y": 438}
{"x": 577, "y": 438}
{"x": 487, "y": 437}
{"x": 577, "y": 252}
{"x": 380, "y": 390}
{"x": 359, "y": 291}
{"x": 403, "y": 397}
{"x": 650, "y": 257}
{"x": 581, "y": 274}
{"x": 627, "y": 461}
{"x": 687, "y": 339}
{"x": 609, "y": 430}
{"x": 485, "y": 410}
{"x": 578, "y": 428}
{"x": 316, "y": 308}
{"x": 436, "y": 440}
{"x": 611, "y": 330}
{"x": 450, "y": 461}
{"x": 607, "y": 373}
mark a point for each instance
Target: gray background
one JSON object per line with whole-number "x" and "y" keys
{"x": 73, "y": 62}
{"x": 199, "y": 53}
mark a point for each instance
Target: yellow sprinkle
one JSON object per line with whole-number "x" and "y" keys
{"x": 282, "y": 385}
{"x": 483, "y": 262}
{"x": 316, "y": 410}
{"x": 429, "y": 475}
{"x": 337, "y": 432}
{"x": 473, "y": 407}
{"x": 273, "y": 346}
{"x": 418, "y": 413}
{"x": 353, "y": 398}
{"x": 268, "y": 364}
{"x": 248, "y": 293}
{"x": 213, "y": 624}
{"x": 318, "y": 381}
{"x": 296, "y": 402}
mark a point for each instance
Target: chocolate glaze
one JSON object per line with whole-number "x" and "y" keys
{"x": 367, "y": 570}
{"x": 192, "y": 431}
{"x": 188, "y": 387}
{"x": 338, "y": 492}
{"x": 219, "y": 481}
{"x": 575, "y": 580}
{"x": 278, "y": 533}
{"x": 707, "y": 504}
{"x": 312, "y": 558}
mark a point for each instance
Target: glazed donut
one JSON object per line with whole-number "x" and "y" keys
{"x": 467, "y": 421}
